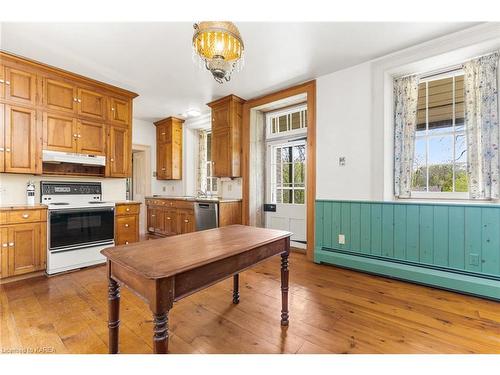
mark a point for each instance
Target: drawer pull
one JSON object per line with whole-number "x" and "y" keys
{"x": 7, "y": 82}
{"x": 127, "y": 209}
{"x": 126, "y": 242}
{"x": 126, "y": 225}
{"x": 25, "y": 216}
{"x": 153, "y": 215}
{"x": 11, "y": 244}
{"x": 168, "y": 218}
{"x": 186, "y": 220}
{"x": 5, "y": 245}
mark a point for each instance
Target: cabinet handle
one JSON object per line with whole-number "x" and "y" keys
{"x": 7, "y": 149}
{"x": 126, "y": 242}
{"x": 112, "y": 160}
{"x": 2, "y": 149}
{"x": 79, "y": 100}
{"x": 186, "y": 220}
{"x": 79, "y": 136}
{"x": 168, "y": 218}
{"x": 163, "y": 133}
{"x": 163, "y": 169}
{"x": 5, "y": 244}
{"x": 75, "y": 135}
{"x": 7, "y": 82}
{"x": 127, "y": 209}
{"x": 25, "y": 216}
{"x": 112, "y": 109}
{"x": 75, "y": 99}
{"x": 153, "y": 215}
{"x": 11, "y": 244}
{"x": 2, "y": 81}
{"x": 126, "y": 225}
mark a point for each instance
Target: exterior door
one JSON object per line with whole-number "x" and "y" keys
{"x": 221, "y": 153}
{"x": 91, "y": 138}
{"x": 59, "y": 96}
{"x": 20, "y": 140}
{"x": 91, "y": 104}
{"x": 59, "y": 133}
{"x": 24, "y": 248}
{"x": 20, "y": 86}
{"x": 119, "y": 111}
{"x": 119, "y": 152}
{"x": 286, "y": 189}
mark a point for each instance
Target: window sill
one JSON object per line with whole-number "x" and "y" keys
{"x": 431, "y": 200}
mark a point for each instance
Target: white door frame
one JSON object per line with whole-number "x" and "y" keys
{"x": 147, "y": 183}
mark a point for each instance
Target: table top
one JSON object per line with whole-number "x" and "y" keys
{"x": 169, "y": 256}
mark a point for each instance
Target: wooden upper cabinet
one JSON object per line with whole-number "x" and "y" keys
{"x": 22, "y": 145}
{"x": 20, "y": 86}
{"x": 59, "y": 95}
{"x": 91, "y": 104}
{"x": 91, "y": 138}
{"x": 226, "y": 136}
{"x": 119, "y": 152}
{"x": 2, "y": 81}
{"x": 2, "y": 138}
{"x": 169, "y": 149}
{"x": 60, "y": 132}
{"x": 119, "y": 111}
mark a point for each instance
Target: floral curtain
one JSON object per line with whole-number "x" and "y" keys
{"x": 202, "y": 161}
{"x": 481, "y": 125}
{"x": 405, "y": 120}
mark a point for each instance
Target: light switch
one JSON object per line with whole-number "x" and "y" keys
{"x": 341, "y": 239}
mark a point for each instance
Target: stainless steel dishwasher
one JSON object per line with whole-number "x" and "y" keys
{"x": 206, "y": 215}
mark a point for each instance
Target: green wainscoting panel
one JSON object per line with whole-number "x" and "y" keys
{"x": 452, "y": 246}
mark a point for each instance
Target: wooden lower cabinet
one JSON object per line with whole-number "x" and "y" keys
{"x": 185, "y": 221}
{"x": 23, "y": 242}
{"x": 127, "y": 223}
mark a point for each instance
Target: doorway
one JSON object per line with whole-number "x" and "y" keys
{"x": 139, "y": 185}
{"x": 286, "y": 188}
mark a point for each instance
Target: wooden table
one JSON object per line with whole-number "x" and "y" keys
{"x": 165, "y": 270}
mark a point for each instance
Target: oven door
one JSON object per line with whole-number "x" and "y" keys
{"x": 79, "y": 228}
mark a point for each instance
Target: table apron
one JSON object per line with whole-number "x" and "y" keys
{"x": 191, "y": 281}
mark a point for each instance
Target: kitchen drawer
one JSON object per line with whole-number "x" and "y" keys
{"x": 25, "y": 216}
{"x": 124, "y": 238}
{"x": 127, "y": 209}
{"x": 184, "y": 205}
{"x": 126, "y": 224}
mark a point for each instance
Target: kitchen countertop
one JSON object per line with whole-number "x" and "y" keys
{"x": 8, "y": 207}
{"x": 195, "y": 199}
{"x": 126, "y": 202}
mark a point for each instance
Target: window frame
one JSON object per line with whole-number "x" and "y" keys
{"x": 440, "y": 194}
{"x": 269, "y": 116}
{"x": 209, "y": 168}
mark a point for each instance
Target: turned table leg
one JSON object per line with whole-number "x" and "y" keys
{"x": 284, "y": 289}
{"x": 113, "y": 315}
{"x": 236, "y": 289}
{"x": 160, "y": 333}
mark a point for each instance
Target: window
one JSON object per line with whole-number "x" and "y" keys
{"x": 440, "y": 159}
{"x": 288, "y": 172}
{"x": 287, "y": 122}
{"x": 212, "y": 182}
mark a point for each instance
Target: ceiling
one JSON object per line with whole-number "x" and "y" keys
{"x": 156, "y": 61}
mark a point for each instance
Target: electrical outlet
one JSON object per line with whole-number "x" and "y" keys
{"x": 341, "y": 239}
{"x": 164, "y": 188}
{"x": 229, "y": 187}
{"x": 474, "y": 259}
{"x": 342, "y": 161}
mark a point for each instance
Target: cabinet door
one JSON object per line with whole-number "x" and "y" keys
{"x": 2, "y": 138}
{"x": 160, "y": 221}
{"x": 2, "y": 81}
{"x": 151, "y": 218}
{"x": 20, "y": 86}
{"x": 91, "y": 104}
{"x": 161, "y": 161}
{"x": 221, "y": 116}
{"x": 119, "y": 152}
{"x": 127, "y": 229}
{"x": 59, "y": 133}
{"x": 185, "y": 221}
{"x": 4, "y": 252}
{"x": 91, "y": 138}
{"x": 119, "y": 111}
{"x": 171, "y": 223}
{"x": 59, "y": 96}
{"x": 24, "y": 248}
{"x": 221, "y": 153}
{"x": 163, "y": 135}
{"x": 21, "y": 141}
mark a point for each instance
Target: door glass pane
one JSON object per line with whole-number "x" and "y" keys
{"x": 299, "y": 196}
{"x": 440, "y": 163}
{"x": 282, "y": 123}
{"x": 299, "y": 153}
{"x": 295, "y": 120}
{"x": 299, "y": 174}
{"x": 286, "y": 154}
{"x": 287, "y": 196}
{"x": 287, "y": 174}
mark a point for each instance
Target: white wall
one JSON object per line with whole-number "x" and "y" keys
{"x": 344, "y": 129}
{"x": 355, "y": 115}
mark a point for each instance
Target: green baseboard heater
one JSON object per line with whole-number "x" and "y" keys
{"x": 450, "y": 246}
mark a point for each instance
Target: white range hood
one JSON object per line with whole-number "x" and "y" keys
{"x": 68, "y": 157}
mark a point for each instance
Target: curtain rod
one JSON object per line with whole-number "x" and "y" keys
{"x": 447, "y": 69}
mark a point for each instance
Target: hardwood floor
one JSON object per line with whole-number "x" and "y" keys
{"x": 332, "y": 310}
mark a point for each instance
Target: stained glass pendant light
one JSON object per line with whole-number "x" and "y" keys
{"x": 220, "y": 47}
